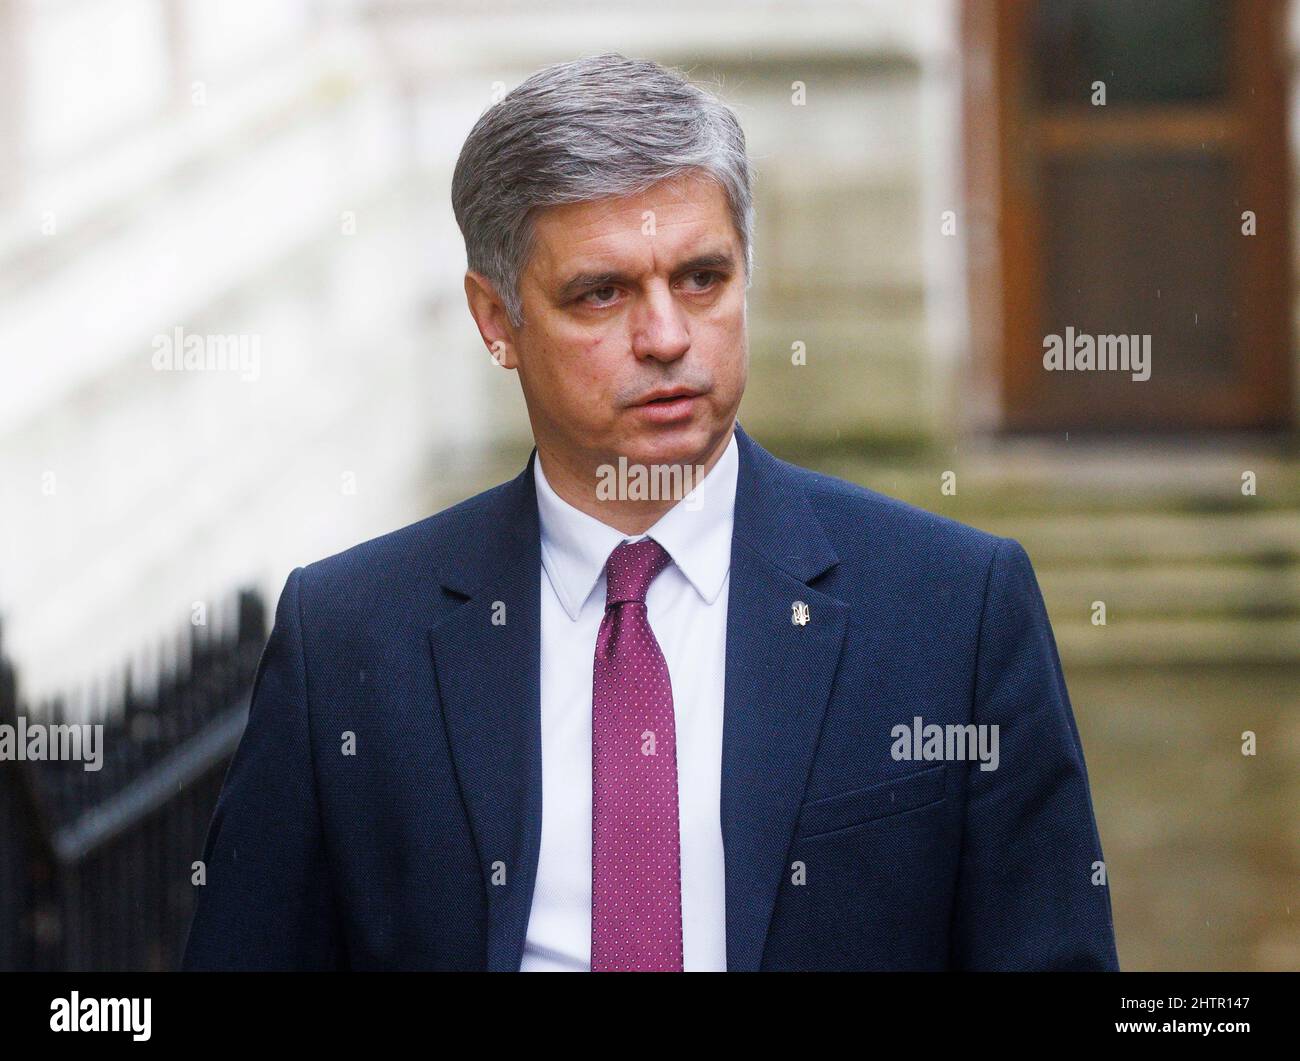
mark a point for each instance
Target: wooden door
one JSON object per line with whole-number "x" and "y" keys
{"x": 1127, "y": 175}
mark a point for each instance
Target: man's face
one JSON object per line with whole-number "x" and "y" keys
{"x": 634, "y": 338}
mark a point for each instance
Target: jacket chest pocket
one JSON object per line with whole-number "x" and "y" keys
{"x": 861, "y": 805}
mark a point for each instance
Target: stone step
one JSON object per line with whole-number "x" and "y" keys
{"x": 1179, "y": 589}
{"x": 1206, "y": 590}
{"x": 1266, "y": 537}
{"x": 1056, "y": 479}
{"x": 1175, "y": 641}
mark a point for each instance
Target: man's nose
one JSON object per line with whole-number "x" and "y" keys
{"x": 659, "y": 328}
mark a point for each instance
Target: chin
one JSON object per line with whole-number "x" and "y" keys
{"x": 689, "y": 444}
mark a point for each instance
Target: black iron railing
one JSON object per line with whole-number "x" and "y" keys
{"x": 96, "y": 865}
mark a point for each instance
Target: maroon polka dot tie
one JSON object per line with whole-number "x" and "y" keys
{"x": 636, "y": 886}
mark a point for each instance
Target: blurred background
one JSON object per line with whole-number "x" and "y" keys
{"x": 940, "y": 185}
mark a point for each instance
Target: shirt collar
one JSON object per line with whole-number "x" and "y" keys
{"x": 695, "y": 532}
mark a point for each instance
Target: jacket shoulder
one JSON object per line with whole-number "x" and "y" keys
{"x": 416, "y": 550}
{"x": 860, "y": 521}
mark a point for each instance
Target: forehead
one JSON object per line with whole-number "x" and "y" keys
{"x": 668, "y": 218}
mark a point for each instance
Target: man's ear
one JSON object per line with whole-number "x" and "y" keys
{"x": 489, "y": 313}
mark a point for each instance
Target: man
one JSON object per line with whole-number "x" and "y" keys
{"x": 661, "y": 702}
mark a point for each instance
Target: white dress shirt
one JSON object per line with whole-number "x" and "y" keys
{"x": 687, "y": 608}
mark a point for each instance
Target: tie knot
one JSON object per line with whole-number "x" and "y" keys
{"x": 631, "y": 568}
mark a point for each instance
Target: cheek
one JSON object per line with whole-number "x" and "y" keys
{"x": 725, "y": 337}
{"x": 583, "y": 369}
{"x": 725, "y": 320}
{"x": 601, "y": 357}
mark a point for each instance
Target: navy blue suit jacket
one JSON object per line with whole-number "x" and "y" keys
{"x": 384, "y": 858}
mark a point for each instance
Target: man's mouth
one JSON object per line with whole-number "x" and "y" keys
{"x": 668, "y": 406}
{"x": 667, "y": 397}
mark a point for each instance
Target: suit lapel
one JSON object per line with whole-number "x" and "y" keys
{"x": 779, "y": 677}
{"x": 488, "y": 675}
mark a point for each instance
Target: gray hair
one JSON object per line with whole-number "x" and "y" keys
{"x": 601, "y": 126}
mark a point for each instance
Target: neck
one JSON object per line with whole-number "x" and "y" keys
{"x": 629, "y": 515}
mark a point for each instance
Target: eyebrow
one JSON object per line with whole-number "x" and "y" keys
{"x": 583, "y": 282}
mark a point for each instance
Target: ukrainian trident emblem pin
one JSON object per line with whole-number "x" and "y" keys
{"x": 799, "y": 613}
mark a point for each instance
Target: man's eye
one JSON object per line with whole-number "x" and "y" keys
{"x": 596, "y": 291}
{"x": 710, "y": 277}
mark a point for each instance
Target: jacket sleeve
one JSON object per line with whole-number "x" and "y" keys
{"x": 267, "y": 902}
{"x": 1026, "y": 895}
